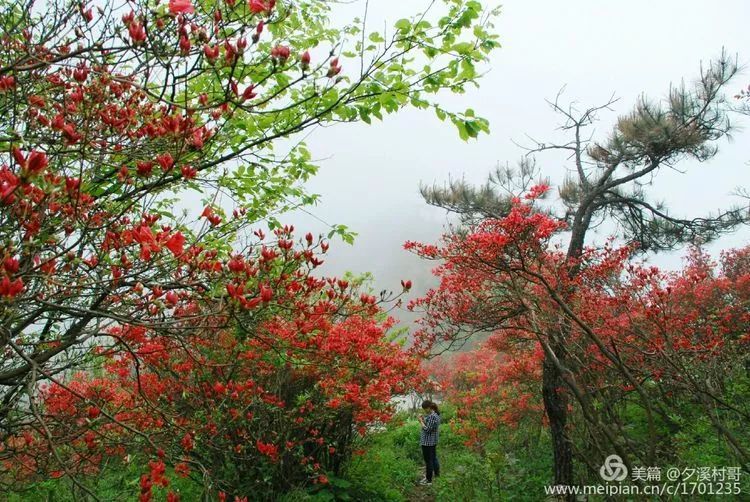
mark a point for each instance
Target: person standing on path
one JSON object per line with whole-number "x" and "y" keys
{"x": 428, "y": 439}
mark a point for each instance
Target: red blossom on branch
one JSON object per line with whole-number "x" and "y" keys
{"x": 181, "y": 7}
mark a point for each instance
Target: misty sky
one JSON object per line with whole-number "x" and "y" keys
{"x": 370, "y": 175}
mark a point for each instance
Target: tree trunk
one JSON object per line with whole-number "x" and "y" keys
{"x": 556, "y": 407}
{"x": 553, "y": 392}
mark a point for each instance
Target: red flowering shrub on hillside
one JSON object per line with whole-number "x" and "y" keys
{"x": 271, "y": 397}
{"x": 494, "y": 387}
{"x": 639, "y": 341}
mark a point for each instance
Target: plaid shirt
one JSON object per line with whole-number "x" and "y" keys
{"x": 430, "y": 434}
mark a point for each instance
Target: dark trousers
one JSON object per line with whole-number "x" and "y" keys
{"x": 430, "y": 461}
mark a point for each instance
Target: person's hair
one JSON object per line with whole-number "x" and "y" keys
{"x": 429, "y": 405}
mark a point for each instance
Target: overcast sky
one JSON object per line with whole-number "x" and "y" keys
{"x": 370, "y": 175}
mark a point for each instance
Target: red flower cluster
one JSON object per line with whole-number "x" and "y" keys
{"x": 261, "y": 6}
{"x": 181, "y": 7}
{"x": 286, "y": 362}
{"x": 281, "y": 52}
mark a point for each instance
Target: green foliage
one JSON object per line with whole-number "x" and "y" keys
{"x": 118, "y": 481}
{"x": 383, "y": 74}
{"x": 504, "y": 470}
{"x": 388, "y": 468}
{"x": 343, "y": 232}
{"x": 391, "y": 466}
{"x": 336, "y": 489}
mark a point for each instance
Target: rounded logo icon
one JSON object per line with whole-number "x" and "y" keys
{"x": 613, "y": 469}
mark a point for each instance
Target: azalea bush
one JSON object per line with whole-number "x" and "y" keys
{"x": 531, "y": 271}
{"x": 494, "y": 388}
{"x": 269, "y": 401}
{"x": 650, "y": 348}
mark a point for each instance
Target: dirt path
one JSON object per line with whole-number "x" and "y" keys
{"x": 421, "y": 493}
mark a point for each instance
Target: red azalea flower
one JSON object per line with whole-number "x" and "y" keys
{"x": 175, "y": 243}
{"x": 258, "y": 6}
{"x": 137, "y": 33}
{"x": 281, "y": 52}
{"x": 181, "y": 7}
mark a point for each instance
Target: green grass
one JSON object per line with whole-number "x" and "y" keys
{"x": 118, "y": 481}
{"x": 392, "y": 465}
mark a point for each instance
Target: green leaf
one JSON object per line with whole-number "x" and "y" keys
{"x": 403, "y": 24}
{"x": 365, "y": 115}
{"x": 472, "y": 128}
{"x": 462, "y": 132}
{"x": 463, "y": 48}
